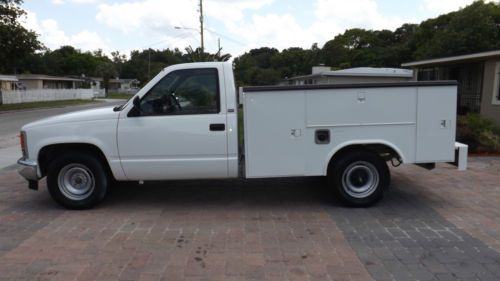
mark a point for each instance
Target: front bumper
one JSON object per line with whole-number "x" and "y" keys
{"x": 28, "y": 169}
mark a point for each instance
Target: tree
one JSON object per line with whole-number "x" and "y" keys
{"x": 16, "y": 42}
{"x": 195, "y": 55}
{"x": 198, "y": 56}
{"x": 475, "y": 28}
{"x": 405, "y": 43}
{"x": 118, "y": 60}
{"x": 219, "y": 56}
{"x": 144, "y": 65}
{"x": 248, "y": 68}
{"x": 63, "y": 61}
{"x": 106, "y": 70}
{"x": 294, "y": 61}
{"x": 360, "y": 47}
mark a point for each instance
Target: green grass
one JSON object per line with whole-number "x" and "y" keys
{"x": 118, "y": 96}
{"x": 44, "y": 104}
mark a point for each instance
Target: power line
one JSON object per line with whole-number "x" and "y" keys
{"x": 225, "y": 37}
{"x": 179, "y": 37}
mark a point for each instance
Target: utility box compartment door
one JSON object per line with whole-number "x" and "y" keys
{"x": 436, "y": 124}
{"x": 356, "y": 107}
{"x": 274, "y": 134}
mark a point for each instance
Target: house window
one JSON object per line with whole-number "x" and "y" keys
{"x": 496, "y": 85}
{"x": 427, "y": 74}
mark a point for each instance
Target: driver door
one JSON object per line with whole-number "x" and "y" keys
{"x": 180, "y": 132}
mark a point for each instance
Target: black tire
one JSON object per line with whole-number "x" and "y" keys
{"x": 359, "y": 178}
{"x": 74, "y": 173}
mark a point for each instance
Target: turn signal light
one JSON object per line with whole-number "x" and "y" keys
{"x": 22, "y": 138}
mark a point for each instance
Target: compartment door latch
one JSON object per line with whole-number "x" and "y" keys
{"x": 296, "y": 133}
{"x": 361, "y": 97}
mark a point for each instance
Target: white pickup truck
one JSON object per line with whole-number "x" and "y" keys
{"x": 184, "y": 125}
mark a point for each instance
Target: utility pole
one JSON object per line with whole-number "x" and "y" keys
{"x": 201, "y": 27}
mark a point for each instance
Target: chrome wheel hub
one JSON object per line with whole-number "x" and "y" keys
{"x": 76, "y": 181}
{"x": 360, "y": 179}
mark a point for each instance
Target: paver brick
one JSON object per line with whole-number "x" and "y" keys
{"x": 438, "y": 225}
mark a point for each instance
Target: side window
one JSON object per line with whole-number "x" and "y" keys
{"x": 191, "y": 91}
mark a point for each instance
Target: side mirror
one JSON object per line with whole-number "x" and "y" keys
{"x": 136, "y": 110}
{"x": 137, "y": 103}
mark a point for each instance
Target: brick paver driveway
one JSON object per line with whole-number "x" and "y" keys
{"x": 438, "y": 225}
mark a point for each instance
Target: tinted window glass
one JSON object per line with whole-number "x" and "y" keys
{"x": 193, "y": 91}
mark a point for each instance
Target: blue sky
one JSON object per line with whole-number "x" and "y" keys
{"x": 125, "y": 25}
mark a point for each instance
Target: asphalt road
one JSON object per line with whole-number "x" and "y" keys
{"x": 11, "y": 123}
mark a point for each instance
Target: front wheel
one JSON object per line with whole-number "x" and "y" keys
{"x": 359, "y": 177}
{"x": 77, "y": 181}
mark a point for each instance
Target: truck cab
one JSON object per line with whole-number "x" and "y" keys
{"x": 183, "y": 126}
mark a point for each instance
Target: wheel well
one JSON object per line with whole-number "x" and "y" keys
{"x": 384, "y": 151}
{"x": 50, "y": 152}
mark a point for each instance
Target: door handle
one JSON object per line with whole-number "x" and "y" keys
{"x": 217, "y": 127}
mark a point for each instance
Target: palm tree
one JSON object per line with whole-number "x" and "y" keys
{"x": 198, "y": 56}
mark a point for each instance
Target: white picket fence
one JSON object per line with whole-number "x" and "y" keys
{"x": 99, "y": 93}
{"x": 21, "y": 96}
{"x": 125, "y": 91}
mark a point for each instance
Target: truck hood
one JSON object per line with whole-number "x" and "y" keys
{"x": 102, "y": 113}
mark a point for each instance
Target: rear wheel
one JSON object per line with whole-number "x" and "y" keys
{"x": 359, "y": 178}
{"x": 77, "y": 181}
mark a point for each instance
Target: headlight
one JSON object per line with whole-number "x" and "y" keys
{"x": 24, "y": 146}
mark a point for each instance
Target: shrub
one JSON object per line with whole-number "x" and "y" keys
{"x": 490, "y": 140}
{"x": 481, "y": 134}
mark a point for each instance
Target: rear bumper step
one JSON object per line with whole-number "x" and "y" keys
{"x": 461, "y": 151}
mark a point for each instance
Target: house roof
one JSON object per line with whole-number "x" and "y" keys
{"x": 46, "y": 77}
{"x": 361, "y": 72}
{"x": 86, "y": 78}
{"x": 122, "y": 80}
{"x": 94, "y": 79}
{"x": 455, "y": 59}
{"x": 9, "y": 78}
{"x": 374, "y": 72}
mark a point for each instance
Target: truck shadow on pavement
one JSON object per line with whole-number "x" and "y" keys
{"x": 301, "y": 191}
{"x": 196, "y": 193}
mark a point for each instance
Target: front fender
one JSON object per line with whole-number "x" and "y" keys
{"x": 99, "y": 133}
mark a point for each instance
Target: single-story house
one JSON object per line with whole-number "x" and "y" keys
{"x": 324, "y": 75}
{"x": 478, "y": 77}
{"x": 40, "y": 81}
{"x": 123, "y": 84}
{"x": 95, "y": 83}
{"x": 8, "y": 82}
